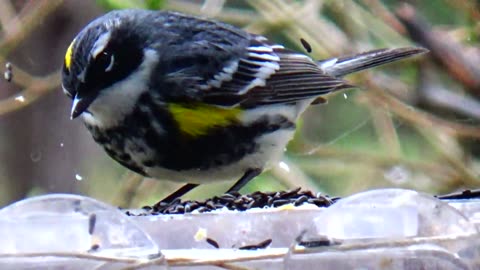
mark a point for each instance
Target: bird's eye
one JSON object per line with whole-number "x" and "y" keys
{"x": 105, "y": 60}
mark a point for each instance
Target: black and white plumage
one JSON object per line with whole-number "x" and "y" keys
{"x": 182, "y": 98}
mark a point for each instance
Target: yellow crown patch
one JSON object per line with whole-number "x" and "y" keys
{"x": 69, "y": 55}
{"x": 197, "y": 119}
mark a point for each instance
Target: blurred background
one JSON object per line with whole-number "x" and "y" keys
{"x": 412, "y": 124}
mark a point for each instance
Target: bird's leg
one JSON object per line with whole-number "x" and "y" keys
{"x": 179, "y": 193}
{"x": 249, "y": 175}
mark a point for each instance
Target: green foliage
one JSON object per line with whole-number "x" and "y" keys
{"x": 124, "y": 4}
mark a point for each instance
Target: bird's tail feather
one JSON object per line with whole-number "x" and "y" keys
{"x": 340, "y": 67}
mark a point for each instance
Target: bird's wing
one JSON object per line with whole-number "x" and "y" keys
{"x": 248, "y": 72}
{"x": 269, "y": 74}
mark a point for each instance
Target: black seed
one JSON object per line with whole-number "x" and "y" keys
{"x": 235, "y": 201}
{"x": 238, "y": 201}
{"x": 203, "y": 209}
{"x": 315, "y": 243}
{"x": 94, "y": 247}
{"x": 299, "y": 201}
{"x": 229, "y": 196}
{"x": 270, "y": 201}
{"x": 210, "y": 205}
{"x": 213, "y": 243}
{"x": 250, "y": 204}
{"x": 92, "y": 219}
{"x": 279, "y": 202}
{"x": 226, "y": 199}
{"x": 180, "y": 208}
{"x": 193, "y": 206}
{"x": 261, "y": 245}
{"x": 240, "y": 207}
{"x": 307, "y": 193}
{"x": 235, "y": 194}
{"x": 306, "y": 45}
{"x": 290, "y": 193}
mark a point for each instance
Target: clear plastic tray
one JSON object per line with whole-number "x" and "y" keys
{"x": 380, "y": 229}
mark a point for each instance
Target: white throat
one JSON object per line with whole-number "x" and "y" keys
{"x": 118, "y": 100}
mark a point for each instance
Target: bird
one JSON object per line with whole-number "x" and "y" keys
{"x": 183, "y": 98}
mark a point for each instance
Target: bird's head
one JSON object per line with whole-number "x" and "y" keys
{"x": 104, "y": 57}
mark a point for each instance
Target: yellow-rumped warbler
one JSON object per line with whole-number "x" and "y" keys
{"x": 177, "y": 97}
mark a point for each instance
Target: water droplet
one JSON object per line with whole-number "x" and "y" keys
{"x": 8, "y": 74}
{"x": 20, "y": 99}
{"x": 36, "y": 156}
{"x": 345, "y": 95}
{"x": 397, "y": 175}
{"x": 78, "y": 177}
{"x": 284, "y": 166}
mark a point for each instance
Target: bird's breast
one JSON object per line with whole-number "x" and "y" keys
{"x": 153, "y": 142}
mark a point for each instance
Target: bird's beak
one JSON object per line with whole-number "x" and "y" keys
{"x": 80, "y": 104}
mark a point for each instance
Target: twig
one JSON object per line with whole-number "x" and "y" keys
{"x": 420, "y": 118}
{"x": 468, "y": 176}
{"x": 468, "y": 7}
{"x": 436, "y": 94}
{"x": 446, "y": 51}
{"x": 378, "y": 8}
{"x": 421, "y": 121}
{"x": 31, "y": 16}
{"x": 291, "y": 176}
{"x": 368, "y": 24}
{"x": 442, "y": 174}
{"x": 128, "y": 190}
{"x": 17, "y": 29}
{"x": 7, "y": 17}
{"x": 380, "y": 160}
{"x": 236, "y": 16}
{"x": 386, "y": 131}
{"x": 37, "y": 87}
{"x": 69, "y": 255}
{"x": 302, "y": 22}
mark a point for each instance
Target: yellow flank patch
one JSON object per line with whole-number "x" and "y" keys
{"x": 69, "y": 55}
{"x": 197, "y": 119}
